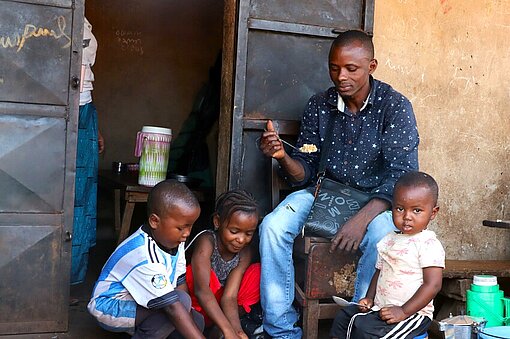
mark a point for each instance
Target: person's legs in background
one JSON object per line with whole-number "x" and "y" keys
{"x": 277, "y": 233}
{"x": 85, "y": 201}
{"x": 376, "y": 230}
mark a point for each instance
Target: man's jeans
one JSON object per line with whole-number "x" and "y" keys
{"x": 277, "y": 233}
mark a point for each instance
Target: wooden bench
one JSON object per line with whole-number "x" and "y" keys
{"x": 457, "y": 279}
{"x": 461, "y": 269}
{"x": 458, "y": 274}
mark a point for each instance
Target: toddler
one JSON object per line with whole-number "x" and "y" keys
{"x": 409, "y": 270}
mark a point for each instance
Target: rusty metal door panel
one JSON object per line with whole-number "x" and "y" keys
{"x": 25, "y": 159}
{"x": 282, "y": 49}
{"x": 282, "y": 70}
{"x": 35, "y": 52}
{"x": 56, "y": 3}
{"x": 30, "y": 259}
{"x": 339, "y": 14}
{"x": 256, "y": 173}
{"x": 40, "y": 57}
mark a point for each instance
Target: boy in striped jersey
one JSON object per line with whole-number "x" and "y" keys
{"x": 142, "y": 287}
{"x": 409, "y": 270}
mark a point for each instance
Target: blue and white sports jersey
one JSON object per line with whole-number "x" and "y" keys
{"x": 138, "y": 272}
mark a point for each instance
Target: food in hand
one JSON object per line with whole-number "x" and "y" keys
{"x": 308, "y": 148}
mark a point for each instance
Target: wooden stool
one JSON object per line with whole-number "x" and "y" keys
{"x": 319, "y": 276}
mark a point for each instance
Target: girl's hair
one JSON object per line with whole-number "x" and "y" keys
{"x": 235, "y": 201}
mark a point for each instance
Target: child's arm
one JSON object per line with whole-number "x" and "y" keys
{"x": 432, "y": 282}
{"x": 201, "y": 266}
{"x": 229, "y": 298}
{"x": 368, "y": 301}
{"x": 182, "y": 320}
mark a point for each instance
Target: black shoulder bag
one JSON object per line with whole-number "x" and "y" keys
{"x": 334, "y": 201}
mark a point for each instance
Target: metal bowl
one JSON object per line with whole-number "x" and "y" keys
{"x": 188, "y": 181}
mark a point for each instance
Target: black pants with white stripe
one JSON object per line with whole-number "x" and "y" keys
{"x": 350, "y": 323}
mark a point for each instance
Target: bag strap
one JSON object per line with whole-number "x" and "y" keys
{"x": 326, "y": 148}
{"x": 321, "y": 174}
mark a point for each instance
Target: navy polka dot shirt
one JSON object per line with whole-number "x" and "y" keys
{"x": 369, "y": 150}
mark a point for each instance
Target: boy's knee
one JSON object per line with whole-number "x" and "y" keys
{"x": 185, "y": 299}
{"x": 157, "y": 325}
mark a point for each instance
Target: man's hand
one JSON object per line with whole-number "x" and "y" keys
{"x": 352, "y": 232}
{"x": 270, "y": 143}
{"x": 350, "y": 235}
{"x": 392, "y": 314}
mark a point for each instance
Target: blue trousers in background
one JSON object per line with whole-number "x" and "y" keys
{"x": 85, "y": 201}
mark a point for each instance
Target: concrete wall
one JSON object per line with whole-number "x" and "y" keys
{"x": 451, "y": 58}
{"x": 153, "y": 58}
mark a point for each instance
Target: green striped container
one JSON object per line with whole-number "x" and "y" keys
{"x": 153, "y": 148}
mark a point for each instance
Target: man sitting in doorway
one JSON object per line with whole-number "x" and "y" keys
{"x": 375, "y": 141}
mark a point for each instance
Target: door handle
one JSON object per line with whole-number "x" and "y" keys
{"x": 75, "y": 82}
{"x": 68, "y": 236}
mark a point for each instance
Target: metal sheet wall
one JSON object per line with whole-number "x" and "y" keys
{"x": 40, "y": 53}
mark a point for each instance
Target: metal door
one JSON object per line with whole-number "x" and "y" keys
{"x": 40, "y": 57}
{"x": 282, "y": 49}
